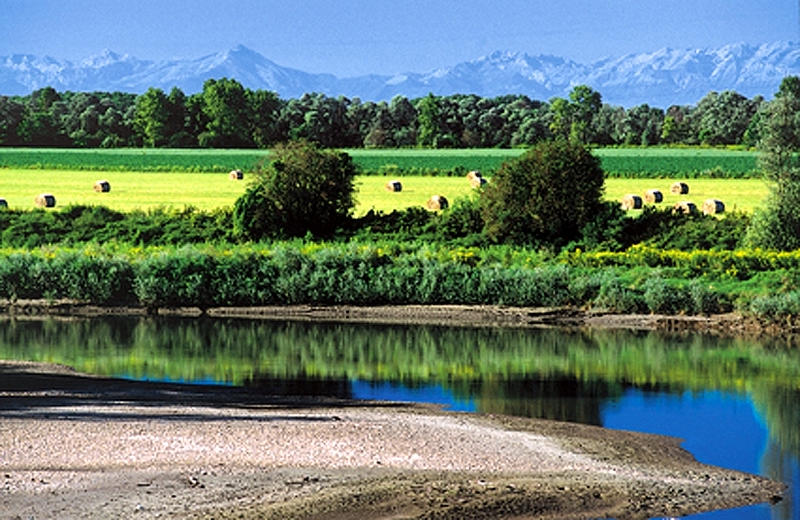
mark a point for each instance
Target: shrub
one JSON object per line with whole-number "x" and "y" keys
{"x": 663, "y": 298}
{"x": 615, "y": 296}
{"x": 547, "y": 195}
{"x": 461, "y": 220}
{"x": 303, "y": 189}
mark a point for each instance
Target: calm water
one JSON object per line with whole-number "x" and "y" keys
{"x": 736, "y": 402}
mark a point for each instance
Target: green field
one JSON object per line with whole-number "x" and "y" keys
{"x": 222, "y": 161}
{"x": 678, "y": 162}
{"x": 131, "y": 159}
{"x": 617, "y": 162}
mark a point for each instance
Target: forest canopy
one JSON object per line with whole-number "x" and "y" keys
{"x": 228, "y": 115}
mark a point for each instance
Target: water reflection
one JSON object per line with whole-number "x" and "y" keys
{"x": 581, "y": 376}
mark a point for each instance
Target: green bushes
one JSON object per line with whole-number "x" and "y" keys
{"x": 98, "y": 224}
{"x": 330, "y": 274}
{"x": 288, "y": 274}
{"x": 545, "y": 196}
{"x": 303, "y": 189}
{"x": 76, "y": 274}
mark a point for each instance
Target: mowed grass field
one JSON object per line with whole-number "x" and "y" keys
{"x": 129, "y": 190}
{"x": 743, "y": 195}
{"x": 152, "y": 178}
{"x": 207, "y": 191}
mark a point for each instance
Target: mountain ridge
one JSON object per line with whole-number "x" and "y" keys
{"x": 660, "y": 78}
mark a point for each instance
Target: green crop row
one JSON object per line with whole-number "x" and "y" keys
{"x": 617, "y": 162}
{"x": 130, "y": 159}
{"x": 680, "y": 162}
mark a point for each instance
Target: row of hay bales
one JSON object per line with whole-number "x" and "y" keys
{"x": 436, "y": 202}
{"x": 48, "y": 200}
{"x": 654, "y": 196}
{"x": 439, "y": 202}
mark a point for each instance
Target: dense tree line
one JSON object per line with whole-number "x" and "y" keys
{"x": 227, "y": 115}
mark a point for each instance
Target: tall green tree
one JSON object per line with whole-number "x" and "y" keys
{"x": 777, "y": 224}
{"x": 404, "y": 119}
{"x": 586, "y": 103}
{"x": 723, "y": 118}
{"x": 265, "y": 108}
{"x": 429, "y": 120}
{"x": 225, "y": 106}
{"x": 11, "y": 114}
{"x": 41, "y": 120}
{"x": 150, "y": 121}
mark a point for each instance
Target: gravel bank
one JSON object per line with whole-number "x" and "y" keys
{"x": 77, "y": 446}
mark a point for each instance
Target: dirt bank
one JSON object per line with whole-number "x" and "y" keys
{"x": 453, "y": 315}
{"x": 77, "y": 446}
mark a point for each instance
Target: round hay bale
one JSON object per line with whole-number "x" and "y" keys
{"x": 713, "y": 207}
{"x": 473, "y": 174}
{"x": 236, "y": 175}
{"x": 45, "y": 200}
{"x": 102, "y": 187}
{"x": 631, "y": 201}
{"x": 477, "y": 182}
{"x": 685, "y": 207}
{"x": 653, "y": 196}
{"x": 437, "y": 202}
{"x": 394, "y": 186}
{"x": 679, "y": 188}
{"x": 3, "y": 204}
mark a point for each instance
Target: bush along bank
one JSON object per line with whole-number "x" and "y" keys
{"x": 300, "y": 272}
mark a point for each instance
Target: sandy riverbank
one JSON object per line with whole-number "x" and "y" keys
{"x": 77, "y": 446}
{"x": 451, "y": 315}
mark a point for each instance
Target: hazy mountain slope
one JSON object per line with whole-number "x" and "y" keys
{"x": 660, "y": 78}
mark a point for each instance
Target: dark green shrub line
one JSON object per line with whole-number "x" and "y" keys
{"x": 191, "y": 277}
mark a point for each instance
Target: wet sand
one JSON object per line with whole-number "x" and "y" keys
{"x": 78, "y": 446}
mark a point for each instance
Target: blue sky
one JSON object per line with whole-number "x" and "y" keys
{"x": 353, "y": 37}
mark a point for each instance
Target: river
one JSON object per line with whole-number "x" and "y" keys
{"x": 735, "y": 401}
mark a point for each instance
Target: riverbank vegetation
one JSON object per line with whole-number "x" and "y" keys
{"x": 539, "y": 233}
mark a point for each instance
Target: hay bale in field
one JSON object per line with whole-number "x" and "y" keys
{"x": 653, "y": 196}
{"x": 631, "y": 201}
{"x": 713, "y": 207}
{"x": 685, "y": 207}
{"x": 437, "y": 202}
{"x": 45, "y": 200}
{"x": 394, "y": 186}
{"x": 477, "y": 181}
{"x": 473, "y": 174}
{"x": 236, "y": 175}
{"x": 102, "y": 187}
{"x": 3, "y": 204}
{"x": 679, "y": 188}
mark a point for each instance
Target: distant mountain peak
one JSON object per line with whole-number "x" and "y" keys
{"x": 104, "y": 58}
{"x": 660, "y": 78}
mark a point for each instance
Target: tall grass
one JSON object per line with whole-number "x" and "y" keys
{"x": 393, "y": 273}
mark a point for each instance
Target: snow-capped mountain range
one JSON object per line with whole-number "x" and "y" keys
{"x": 661, "y": 78}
